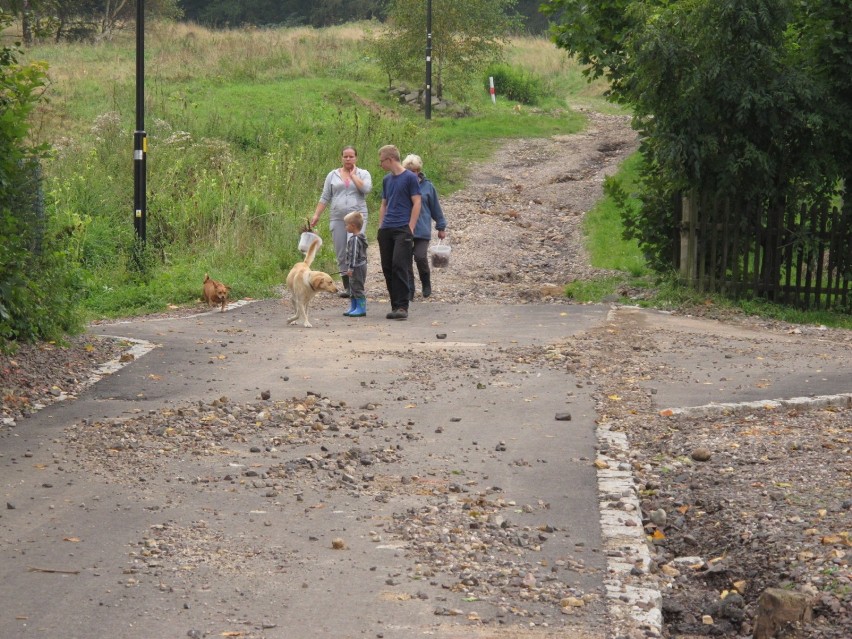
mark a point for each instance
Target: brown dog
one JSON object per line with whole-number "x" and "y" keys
{"x": 303, "y": 284}
{"x": 215, "y": 292}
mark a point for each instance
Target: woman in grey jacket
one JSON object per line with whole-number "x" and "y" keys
{"x": 345, "y": 190}
{"x": 430, "y": 211}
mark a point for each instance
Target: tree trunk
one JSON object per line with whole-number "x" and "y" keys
{"x": 26, "y": 26}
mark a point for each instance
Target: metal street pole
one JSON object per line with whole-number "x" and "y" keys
{"x": 428, "y": 106}
{"x": 140, "y": 140}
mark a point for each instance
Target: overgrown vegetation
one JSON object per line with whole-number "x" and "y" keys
{"x": 75, "y": 20}
{"x": 639, "y": 284}
{"x": 242, "y": 127}
{"x": 516, "y": 84}
{"x": 745, "y": 101}
{"x": 37, "y": 285}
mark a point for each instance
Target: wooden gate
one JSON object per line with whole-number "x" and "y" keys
{"x": 799, "y": 257}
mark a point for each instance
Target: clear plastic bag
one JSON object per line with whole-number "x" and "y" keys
{"x": 439, "y": 255}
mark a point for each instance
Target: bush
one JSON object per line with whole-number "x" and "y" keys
{"x": 36, "y": 287}
{"x": 515, "y": 84}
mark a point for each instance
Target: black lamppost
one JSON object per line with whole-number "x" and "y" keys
{"x": 428, "y": 106}
{"x": 140, "y": 141}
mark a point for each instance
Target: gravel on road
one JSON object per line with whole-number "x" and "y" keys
{"x": 730, "y": 503}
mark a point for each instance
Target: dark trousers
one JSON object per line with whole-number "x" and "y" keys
{"x": 357, "y": 279}
{"x": 395, "y": 248}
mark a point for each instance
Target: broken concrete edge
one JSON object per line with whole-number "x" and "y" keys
{"x": 777, "y": 608}
{"x": 138, "y": 349}
{"x": 843, "y": 400}
{"x": 230, "y": 306}
{"x": 633, "y": 594}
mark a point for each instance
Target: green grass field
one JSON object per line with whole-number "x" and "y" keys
{"x": 242, "y": 127}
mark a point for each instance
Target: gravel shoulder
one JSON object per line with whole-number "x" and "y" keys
{"x": 730, "y": 502}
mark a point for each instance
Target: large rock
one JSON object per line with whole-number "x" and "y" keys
{"x": 781, "y": 614}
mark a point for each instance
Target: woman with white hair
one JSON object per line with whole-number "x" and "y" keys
{"x": 430, "y": 211}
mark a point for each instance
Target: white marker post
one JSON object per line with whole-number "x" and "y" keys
{"x": 491, "y": 90}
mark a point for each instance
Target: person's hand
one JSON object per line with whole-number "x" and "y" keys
{"x": 442, "y": 235}
{"x": 349, "y": 273}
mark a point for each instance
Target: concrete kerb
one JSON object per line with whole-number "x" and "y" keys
{"x": 843, "y": 400}
{"x": 139, "y": 348}
{"x": 623, "y": 540}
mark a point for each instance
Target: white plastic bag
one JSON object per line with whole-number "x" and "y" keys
{"x": 306, "y": 239}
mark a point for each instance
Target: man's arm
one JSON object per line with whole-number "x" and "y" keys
{"x": 415, "y": 211}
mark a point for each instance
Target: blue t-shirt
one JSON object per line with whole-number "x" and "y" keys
{"x": 397, "y": 190}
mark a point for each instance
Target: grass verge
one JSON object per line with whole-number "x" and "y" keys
{"x": 636, "y": 284}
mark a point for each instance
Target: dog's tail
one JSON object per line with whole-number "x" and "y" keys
{"x": 312, "y": 251}
{"x": 206, "y": 277}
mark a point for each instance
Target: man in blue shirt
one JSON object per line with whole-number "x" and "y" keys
{"x": 397, "y": 219}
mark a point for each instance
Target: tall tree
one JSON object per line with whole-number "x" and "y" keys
{"x": 234, "y": 13}
{"x": 81, "y": 19}
{"x": 466, "y": 37}
{"x": 534, "y": 20}
{"x": 827, "y": 33}
{"x": 595, "y": 32}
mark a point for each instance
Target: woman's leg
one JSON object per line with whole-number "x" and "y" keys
{"x": 421, "y": 246}
{"x": 338, "y": 238}
{"x": 419, "y": 255}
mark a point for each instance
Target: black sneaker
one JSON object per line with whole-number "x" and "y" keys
{"x": 398, "y": 314}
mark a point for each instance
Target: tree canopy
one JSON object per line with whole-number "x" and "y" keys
{"x": 466, "y": 37}
{"x": 80, "y": 19}
{"x": 235, "y": 13}
{"x": 220, "y": 13}
{"x": 745, "y": 98}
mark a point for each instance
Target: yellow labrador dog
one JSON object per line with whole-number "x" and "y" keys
{"x": 303, "y": 284}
